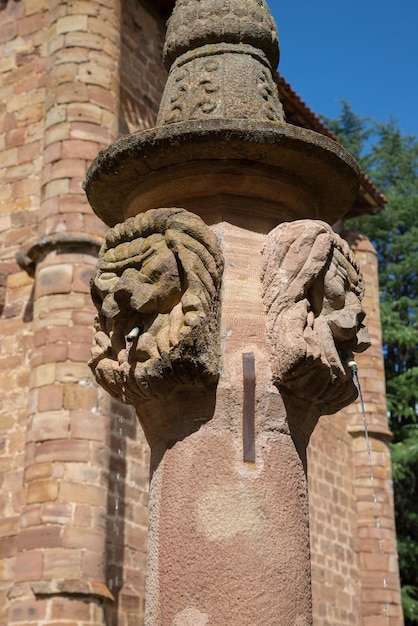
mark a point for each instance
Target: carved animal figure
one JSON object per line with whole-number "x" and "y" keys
{"x": 156, "y": 289}
{"x": 312, "y": 292}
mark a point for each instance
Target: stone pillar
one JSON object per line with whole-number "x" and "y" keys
{"x": 221, "y": 517}
{"x": 379, "y": 567}
{"x": 62, "y": 539}
{"x": 225, "y": 327}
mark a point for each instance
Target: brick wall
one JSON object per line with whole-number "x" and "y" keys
{"x": 22, "y": 92}
{"x": 73, "y": 499}
{"x": 333, "y": 525}
{"x": 353, "y": 538}
{"x": 142, "y": 73}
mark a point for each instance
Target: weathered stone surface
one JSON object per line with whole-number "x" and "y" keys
{"x": 312, "y": 291}
{"x": 194, "y": 23}
{"x": 208, "y": 84}
{"x": 277, "y": 168}
{"x": 210, "y": 48}
{"x": 158, "y": 273}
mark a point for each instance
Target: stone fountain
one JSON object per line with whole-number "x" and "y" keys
{"x": 227, "y": 313}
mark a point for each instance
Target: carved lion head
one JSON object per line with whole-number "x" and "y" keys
{"x": 156, "y": 290}
{"x": 312, "y": 292}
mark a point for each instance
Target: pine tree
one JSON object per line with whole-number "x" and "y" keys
{"x": 391, "y": 161}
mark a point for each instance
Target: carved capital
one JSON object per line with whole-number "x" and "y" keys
{"x": 156, "y": 289}
{"x": 312, "y": 292}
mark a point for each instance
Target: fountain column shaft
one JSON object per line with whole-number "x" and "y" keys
{"x": 226, "y": 521}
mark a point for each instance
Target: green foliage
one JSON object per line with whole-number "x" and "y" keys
{"x": 410, "y": 604}
{"x": 391, "y": 161}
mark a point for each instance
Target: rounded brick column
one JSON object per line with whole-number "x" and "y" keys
{"x": 379, "y": 568}
{"x": 61, "y": 560}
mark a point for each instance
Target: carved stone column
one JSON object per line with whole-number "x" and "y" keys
{"x": 229, "y": 332}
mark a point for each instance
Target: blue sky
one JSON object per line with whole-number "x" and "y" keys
{"x": 363, "y": 51}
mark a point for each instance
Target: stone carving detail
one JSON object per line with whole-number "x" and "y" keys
{"x": 312, "y": 291}
{"x": 209, "y": 84}
{"x": 194, "y": 22}
{"x": 220, "y": 56}
{"x": 268, "y": 94}
{"x": 178, "y": 95}
{"x": 158, "y": 280}
{"x": 194, "y": 91}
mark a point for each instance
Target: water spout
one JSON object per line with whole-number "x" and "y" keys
{"x": 134, "y": 334}
{"x": 129, "y": 342}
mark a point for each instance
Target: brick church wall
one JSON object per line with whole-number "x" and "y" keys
{"x": 74, "y": 463}
{"x": 23, "y": 51}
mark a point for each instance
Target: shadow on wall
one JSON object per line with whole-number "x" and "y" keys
{"x": 123, "y": 426}
{"x": 135, "y": 115}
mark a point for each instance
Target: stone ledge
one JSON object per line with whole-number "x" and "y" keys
{"x": 29, "y": 259}
{"x": 301, "y": 157}
{"x": 71, "y": 587}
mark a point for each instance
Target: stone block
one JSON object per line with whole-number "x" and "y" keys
{"x": 68, "y": 92}
{"x": 78, "y": 537}
{"x": 50, "y": 398}
{"x": 35, "y": 6}
{"x": 102, "y": 97}
{"x": 32, "y": 24}
{"x": 52, "y": 152}
{"x": 93, "y": 565}
{"x": 82, "y": 494}
{"x": 87, "y": 425}
{"x": 54, "y": 280}
{"x": 62, "y": 563}
{"x": 85, "y": 112}
{"x": 79, "y": 352}
{"x": 56, "y": 513}
{"x": 78, "y": 608}
{"x": 38, "y": 471}
{"x": 28, "y": 566}
{"x": 90, "y": 132}
{"x": 39, "y": 538}
{"x": 9, "y": 526}
{"x": 15, "y": 138}
{"x": 79, "y": 149}
{"x": 63, "y": 450}
{"x": 68, "y": 168}
{"x": 41, "y": 491}
{"x": 28, "y": 612}
{"x": 58, "y": 187}
{"x": 44, "y": 374}
{"x": 54, "y": 353}
{"x": 7, "y": 547}
{"x": 78, "y": 396}
{"x": 71, "y": 23}
{"x": 31, "y": 516}
{"x": 50, "y": 425}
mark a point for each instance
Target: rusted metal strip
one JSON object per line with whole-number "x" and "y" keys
{"x": 248, "y": 425}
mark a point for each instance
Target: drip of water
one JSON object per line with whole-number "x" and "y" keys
{"x": 114, "y": 582}
{"x": 129, "y": 342}
{"x": 354, "y": 368}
